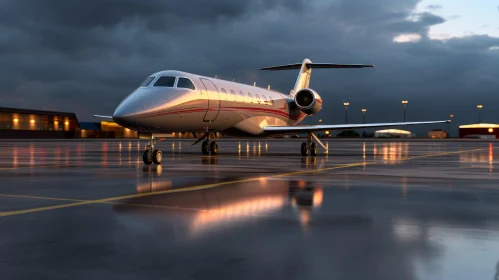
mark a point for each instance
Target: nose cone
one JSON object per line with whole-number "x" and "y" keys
{"x": 124, "y": 117}
{"x": 133, "y": 111}
{"x": 127, "y": 113}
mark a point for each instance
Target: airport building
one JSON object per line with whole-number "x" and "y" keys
{"x": 18, "y": 123}
{"x": 393, "y": 133}
{"x": 26, "y": 123}
{"x": 105, "y": 129}
{"x": 437, "y": 134}
{"x": 479, "y": 130}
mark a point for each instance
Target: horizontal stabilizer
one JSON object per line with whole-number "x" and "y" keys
{"x": 313, "y": 128}
{"x": 315, "y": 65}
{"x": 103, "y": 117}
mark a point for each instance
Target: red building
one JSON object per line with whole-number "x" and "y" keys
{"x": 479, "y": 130}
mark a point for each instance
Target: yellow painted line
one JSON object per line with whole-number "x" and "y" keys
{"x": 93, "y": 201}
{"x": 208, "y": 186}
{"x": 40, "y": 197}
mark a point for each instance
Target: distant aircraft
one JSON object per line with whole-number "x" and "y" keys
{"x": 170, "y": 101}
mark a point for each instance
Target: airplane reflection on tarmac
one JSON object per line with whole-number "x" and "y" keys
{"x": 225, "y": 206}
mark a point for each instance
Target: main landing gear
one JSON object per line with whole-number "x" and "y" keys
{"x": 310, "y": 146}
{"x": 208, "y": 146}
{"x": 152, "y": 155}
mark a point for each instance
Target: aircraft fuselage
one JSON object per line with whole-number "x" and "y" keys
{"x": 210, "y": 104}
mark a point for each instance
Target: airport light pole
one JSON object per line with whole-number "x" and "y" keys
{"x": 346, "y": 104}
{"x": 479, "y": 107}
{"x": 364, "y": 110}
{"x": 449, "y": 124}
{"x": 404, "y": 102}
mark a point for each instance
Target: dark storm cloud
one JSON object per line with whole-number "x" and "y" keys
{"x": 430, "y": 19}
{"x": 84, "y": 56}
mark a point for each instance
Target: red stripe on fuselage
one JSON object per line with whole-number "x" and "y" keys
{"x": 238, "y": 109}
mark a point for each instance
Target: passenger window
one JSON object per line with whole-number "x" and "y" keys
{"x": 165, "y": 81}
{"x": 233, "y": 94}
{"x": 242, "y": 96}
{"x": 250, "y": 97}
{"x": 224, "y": 94}
{"x": 264, "y": 99}
{"x": 257, "y": 98}
{"x": 185, "y": 83}
{"x": 147, "y": 82}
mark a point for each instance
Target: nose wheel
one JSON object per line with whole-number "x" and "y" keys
{"x": 152, "y": 155}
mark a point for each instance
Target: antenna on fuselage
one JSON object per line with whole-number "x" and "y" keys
{"x": 254, "y": 84}
{"x": 268, "y": 87}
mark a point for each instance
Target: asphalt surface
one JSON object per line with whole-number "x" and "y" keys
{"x": 366, "y": 210}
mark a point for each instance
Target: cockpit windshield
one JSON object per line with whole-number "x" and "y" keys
{"x": 147, "y": 82}
{"x": 165, "y": 81}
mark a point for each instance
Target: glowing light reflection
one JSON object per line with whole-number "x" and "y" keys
{"x": 236, "y": 211}
{"x": 15, "y": 157}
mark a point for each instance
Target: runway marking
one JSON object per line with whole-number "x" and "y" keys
{"x": 109, "y": 202}
{"x": 208, "y": 186}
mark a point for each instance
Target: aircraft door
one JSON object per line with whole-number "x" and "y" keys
{"x": 213, "y": 99}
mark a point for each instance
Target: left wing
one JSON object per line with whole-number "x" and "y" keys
{"x": 103, "y": 117}
{"x": 312, "y": 128}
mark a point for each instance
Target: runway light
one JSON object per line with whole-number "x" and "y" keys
{"x": 491, "y": 130}
{"x": 66, "y": 123}
{"x": 15, "y": 120}
{"x": 32, "y": 121}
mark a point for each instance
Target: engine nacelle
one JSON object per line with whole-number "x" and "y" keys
{"x": 308, "y": 101}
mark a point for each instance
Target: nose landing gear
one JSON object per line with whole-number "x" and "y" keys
{"x": 152, "y": 155}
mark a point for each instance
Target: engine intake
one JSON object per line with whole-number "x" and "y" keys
{"x": 308, "y": 101}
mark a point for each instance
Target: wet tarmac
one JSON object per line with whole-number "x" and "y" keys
{"x": 366, "y": 210}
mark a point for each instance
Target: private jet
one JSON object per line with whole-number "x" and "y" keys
{"x": 171, "y": 100}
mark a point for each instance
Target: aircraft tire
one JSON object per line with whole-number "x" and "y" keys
{"x": 313, "y": 149}
{"x": 157, "y": 156}
{"x": 304, "y": 149}
{"x": 147, "y": 157}
{"x": 205, "y": 148}
{"x": 214, "y": 148}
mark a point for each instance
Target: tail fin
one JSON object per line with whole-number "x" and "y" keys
{"x": 305, "y": 67}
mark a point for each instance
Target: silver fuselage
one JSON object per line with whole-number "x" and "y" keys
{"x": 207, "y": 107}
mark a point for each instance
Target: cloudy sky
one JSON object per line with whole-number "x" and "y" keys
{"x": 84, "y": 56}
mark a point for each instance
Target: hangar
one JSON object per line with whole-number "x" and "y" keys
{"x": 479, "y": 130}
{"x": 393, "y": 133}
